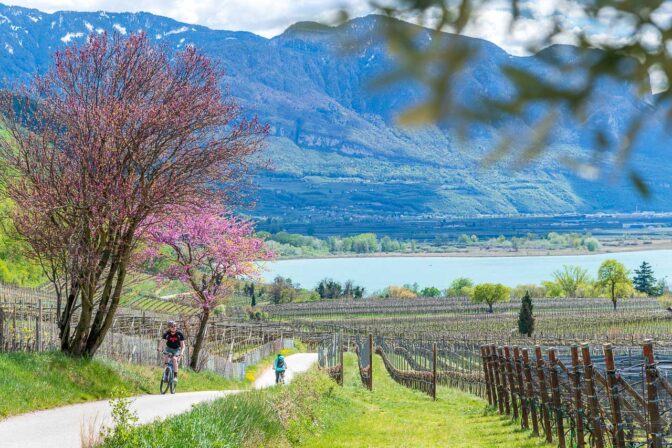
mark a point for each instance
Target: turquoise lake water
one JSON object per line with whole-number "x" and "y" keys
{"x": 379, "y": 272}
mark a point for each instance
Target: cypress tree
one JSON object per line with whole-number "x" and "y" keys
{"x": 525, "y": 317}
{"x": 250, "y": 290}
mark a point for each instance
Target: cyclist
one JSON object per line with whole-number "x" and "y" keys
{"x": 279, "y": 365}
{"x": 172, "y": 342}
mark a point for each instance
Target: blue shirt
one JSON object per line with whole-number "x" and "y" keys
{"x": 280, "y": 368}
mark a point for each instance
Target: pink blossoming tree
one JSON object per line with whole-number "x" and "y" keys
{"x": 207, "y": 251}
{"x": 117, "y": 135}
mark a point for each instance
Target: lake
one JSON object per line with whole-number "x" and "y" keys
{"x": 375, "y": 273}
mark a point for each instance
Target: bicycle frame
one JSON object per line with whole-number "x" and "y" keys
{"x": 168, "y": 377}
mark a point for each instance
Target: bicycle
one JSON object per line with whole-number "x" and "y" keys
{"x": 168, "y": 377}
{"x": 280, "y": 379}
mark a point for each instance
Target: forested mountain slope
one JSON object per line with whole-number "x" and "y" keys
{"x": 334, "y": 147}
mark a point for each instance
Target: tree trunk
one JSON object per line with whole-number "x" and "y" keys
{"x": 200, "y": 337}
{"x": 65, "y": 319}
{"x": 490, "y": 308}
{"x": 78, "y": 340}
{"x": 97, "y": 335}
{"x": 91, "y": 330}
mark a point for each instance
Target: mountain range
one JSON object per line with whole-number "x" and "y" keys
{"x": 335, "y": 149}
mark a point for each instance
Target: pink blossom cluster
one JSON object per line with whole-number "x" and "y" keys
{"x": 206, "y": 250}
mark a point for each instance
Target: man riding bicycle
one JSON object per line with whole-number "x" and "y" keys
{"x": 172, "y": 343}
{"x": 279, "y": 365}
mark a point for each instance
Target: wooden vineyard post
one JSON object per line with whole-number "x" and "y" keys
{"x": 502, "y": 374}
{"x": 511, "y": 381}
{"x": 38, "y": 327}
{"x": 488, "y": 385}
{"x": 517, "y": 363}
{"x": 370, "y": 361}
{"x": 498, "y": 380}
{"x": 491, "y": 374}
{"x": 434, "y": 371}
{"x": 340, "y": 358}
{"x": 591, "y": 395}
{"x": 557, "y": 401}
{"x": 527, "y": 370}
{"x": 546, "y": 419}
{"x": 613, "y": 390}
{"x": 578, "y": 402}
{"x": 15, "y": 336}
{"x": 2, "y": 328}
{"x": 655, "y": 429}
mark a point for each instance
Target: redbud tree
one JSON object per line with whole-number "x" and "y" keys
{"x": 116, "y": 135}
{"x": 207, "y": 250}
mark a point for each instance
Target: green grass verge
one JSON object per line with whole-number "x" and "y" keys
{"x": 33, "y": 381}
{"x": 395, "y": 416}
{"x": 277, "y": 417}
{"x": 314, "y": 412}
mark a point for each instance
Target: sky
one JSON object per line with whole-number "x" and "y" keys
{"x": 271, "y": 17}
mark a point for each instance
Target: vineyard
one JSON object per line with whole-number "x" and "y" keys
{"x": 574, "y": 396}
{"x": 28, "y": 322}
{"x": 590, "y": 376}
{"x": 558, "y": 321}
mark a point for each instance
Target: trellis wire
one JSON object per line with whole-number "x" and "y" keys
{"x": 330, "y": 356}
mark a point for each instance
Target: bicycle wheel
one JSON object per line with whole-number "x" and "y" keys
{"x": 173, "y": 384}
{"x": 166, "y": 380}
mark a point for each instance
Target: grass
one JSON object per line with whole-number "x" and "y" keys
{"x": 313, "y": 412}
{"x": 277, "y": 417}
{"x": 34, "y": 381}
{"x": 395, "y": 416}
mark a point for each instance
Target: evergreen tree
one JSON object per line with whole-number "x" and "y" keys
{"x": 525, "y": 317}
{"x": 329, "y": 289}
{"x": 251, "y": 292}
{"x": 644, "y": 280}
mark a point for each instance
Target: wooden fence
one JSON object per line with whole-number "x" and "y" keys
{"x": 28, "y": 323}
{"x": 573, "y": 402}
{"x": 424, "y": 364}
{"x": 572, "y": 396}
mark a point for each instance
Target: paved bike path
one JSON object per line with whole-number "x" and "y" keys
{"x": 297, "y": 363}
{"x": 63, "y": 427}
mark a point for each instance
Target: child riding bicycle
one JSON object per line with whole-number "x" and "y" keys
{"x": 172, "y": 343}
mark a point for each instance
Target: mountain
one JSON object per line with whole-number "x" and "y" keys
{"x": 334, "y": 148}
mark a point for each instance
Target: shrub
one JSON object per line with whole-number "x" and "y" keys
{"x": 430, "y": 292}
{"x": 666, "y": 301}
{"x": 398, "y": 292}
{"x": 460, "y": 287}
{"x": 255, "y": 314}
